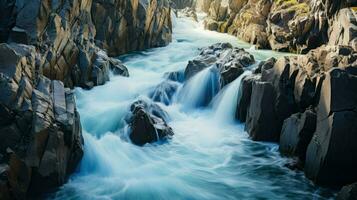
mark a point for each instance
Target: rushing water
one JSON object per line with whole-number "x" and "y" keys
{"x": 210, "y": 155}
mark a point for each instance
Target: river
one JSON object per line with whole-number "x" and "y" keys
{"x": 209, "y": 157}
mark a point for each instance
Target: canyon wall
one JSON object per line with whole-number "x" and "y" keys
{"x": 285, "y": 25}
{"x": 47, "y": 47}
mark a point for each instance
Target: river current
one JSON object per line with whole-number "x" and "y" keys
{"x": 209, "y": 157}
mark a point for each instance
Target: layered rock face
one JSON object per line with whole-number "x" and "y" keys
{"x": 181, "y": 4}
{"x": 66, "y": 36}
{"x": 285, "y": 25}
{"x": 40, "y": 130}
{"x": 46, "y": 48}
{"x": 129, "y": 25}
{"x": 307, "y": 103}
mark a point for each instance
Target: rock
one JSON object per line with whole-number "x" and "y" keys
{"x": 203, "y": 5}
{"x": 348, "y": 192}
{"x": 261, "y": 121}
{"x": 296, "y": 134}
{"x": 164, "y": 92}
{"x": 118, "y": 68}
{"x": 177, "y": 76}
{"x": 291, "y": 26}
{"x": 331, "y": 155}
{"x": 188, "y": 13}
{"x": 230, "y": 62}
{"x": 182, "y": 4}
{"x": 343, "y": 30}
{"x": 131, "y": 25}
{"x": 147, "y": 124}
{"x": 42, "y": 138}
{"x": 245, "y": 97}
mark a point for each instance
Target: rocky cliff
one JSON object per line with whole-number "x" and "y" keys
{"x": 313, "y": 116}
{"x": 47, "y": 47}
{"x": 285, "y": 25}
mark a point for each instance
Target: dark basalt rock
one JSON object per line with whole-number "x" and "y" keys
{"x": 331, "y": 157}
{"x": 296, "y": 134}
{"x": 261, "y": 121}
{"x": 245, "y": 97}
{"x": 148, "y": 123}
{"x": 230, "y": 61}
{"x": 348, "y": 192}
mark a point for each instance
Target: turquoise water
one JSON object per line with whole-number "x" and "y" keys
{"x": 209, "y": 157}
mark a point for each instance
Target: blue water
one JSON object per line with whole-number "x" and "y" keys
{"x": 209, "y": 157}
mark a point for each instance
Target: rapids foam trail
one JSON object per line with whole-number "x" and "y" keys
{"x": 206, "y": 158}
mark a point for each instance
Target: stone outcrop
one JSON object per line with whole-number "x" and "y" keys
{"x": 331, "y": 157}
{"x": 348, "y": 192}
{"x": 40, "y": 130}
{"x": 296, "y": 134}
{"x": 285, "y": 25}
{"x": 182, "y": 4}
{"x": 308, "y": 103}
{"x": 230, "y": 62}
{"x": 148, "y": 123}
{"x": 188, "y": 13}
{"x": 47, "y": 47}
{"x": 123, "y": 26}
{"x": 67, "y": 34}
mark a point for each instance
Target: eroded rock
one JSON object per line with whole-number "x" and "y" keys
{"x": 148, "y": 123}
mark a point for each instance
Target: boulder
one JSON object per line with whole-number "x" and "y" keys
{"x": 331, "y": 157}
{"x": 164, "y": 92}
{"x": 261, "y": 121}
{"x": 348, "y": 192}
{"x": 177, "y": 76}
{"x": 230, "y": 61}
{"x": 148, "y": 124}
{"x": 296, "y": 134}
{"x": 188, "y": 13}
{"x": 245, "y": 92}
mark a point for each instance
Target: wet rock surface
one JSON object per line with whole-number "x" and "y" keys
{"x": 148, "y": 123}
{"x": 229, "y": 60}
{"x": 308, "y": 103}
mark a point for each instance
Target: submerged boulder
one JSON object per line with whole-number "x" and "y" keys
{"x": 148, "y": 123}
{"x": 164, "y": 92}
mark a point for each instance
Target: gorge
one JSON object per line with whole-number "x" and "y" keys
{"x": 107, "y": 99}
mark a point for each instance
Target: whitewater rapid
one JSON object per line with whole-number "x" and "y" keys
{"x": 209, "y": 157}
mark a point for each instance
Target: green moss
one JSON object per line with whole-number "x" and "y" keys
{"x": 293, "y": 5}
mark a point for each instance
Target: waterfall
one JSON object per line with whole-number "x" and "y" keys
{"x": 200, "y": 89}
{"x": 225, "y": 103}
